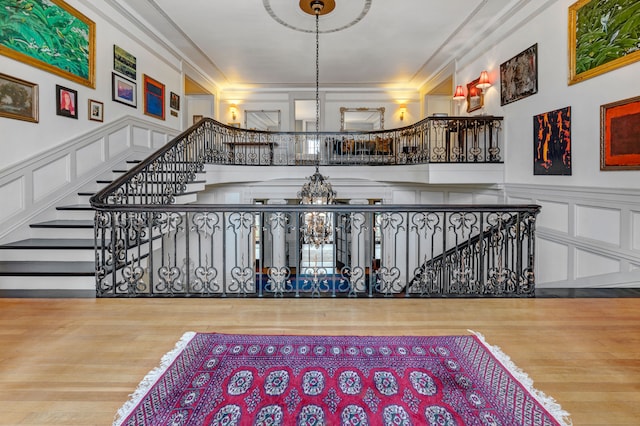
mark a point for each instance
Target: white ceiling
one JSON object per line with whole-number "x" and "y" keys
{"x": 396, "y": 44}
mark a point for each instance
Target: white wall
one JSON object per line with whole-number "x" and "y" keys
{"x": 20, "y": 140}
{"x": 587, "y": 230}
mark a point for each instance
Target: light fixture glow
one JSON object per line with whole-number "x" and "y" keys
{"x": 459, "y": 93}
{"x": 483, "y": 82}
{"x": 403, "y": 109}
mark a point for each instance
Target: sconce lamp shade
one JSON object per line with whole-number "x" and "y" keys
{"x": 483, "y": 82}
{"x": 403, "y": 109}
{"x": 459, "y": 94}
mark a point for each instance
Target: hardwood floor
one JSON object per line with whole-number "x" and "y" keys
{"x": 74, "y": 361}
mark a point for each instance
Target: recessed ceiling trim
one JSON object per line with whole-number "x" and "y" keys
{"x": 365, "y": 9}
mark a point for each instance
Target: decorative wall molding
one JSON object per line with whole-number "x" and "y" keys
{"x": 44, "y": 180}
{"x": 600, "y": 246}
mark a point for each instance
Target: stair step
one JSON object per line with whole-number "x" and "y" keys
{"x": 51, "y": 243}
{"x": 47, "y": 268}
{"x": 49, "y": 249}
{"x": 75, "y": 207}
{"x": 64, "y": 223}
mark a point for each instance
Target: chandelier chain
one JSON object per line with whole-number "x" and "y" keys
{"x": 317, "y": 75}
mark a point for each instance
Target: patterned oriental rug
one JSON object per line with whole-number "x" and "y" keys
{"x": 218, "y": 379}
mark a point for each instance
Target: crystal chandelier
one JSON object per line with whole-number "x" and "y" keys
{"x": 317, "y": 228}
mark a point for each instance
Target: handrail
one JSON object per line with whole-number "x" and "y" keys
{"x": 164, "y": 174}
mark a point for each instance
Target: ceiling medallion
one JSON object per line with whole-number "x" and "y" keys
{"x": 310, "y": 7}
{"x": 342, "y": 18}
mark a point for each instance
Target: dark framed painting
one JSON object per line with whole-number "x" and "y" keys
{"x": 18, "y": 99}
{"x": 66, "y": 102}
{"x": 153, "y": 97}
{"x": 124, "y": 63}
{"x": 475, "y": 96}
{"x": 124, "y": 90}
{"x": 519, "y": 76}
{"x": 174, "y": 101}
{"x": 51, "y": 35}
{"x": 603, "y": 36}
{"x": 96, "y": 110}
{"x": 552, "y": 142}
{"x": 620, "y": 135}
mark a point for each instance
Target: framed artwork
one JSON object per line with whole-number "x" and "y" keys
{"x": 475, "y": 96}
{"x": 236, "y": 125}
{"x": 96, "y": 110}
{"x": 552, "y": 142}
{"x": 603, "y": 36}
{"x": 124, "y": 62}
{"x": 124, "y": 90}
{"x": 51, "y": 35}
{"x": 66, "y": 102}
{"x": 619, "y": 135}
{"x": 174, "y": 101}
{"x": 18, "y": 99}
{"x": 197, "y": 118}
{"x": 519, "y": 76}
{"x": 153, "y": 97}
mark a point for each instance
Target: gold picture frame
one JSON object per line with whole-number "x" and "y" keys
{"x": 23, "y": 97}
{"x": 50, "y": 35}
{"x": 599, "y": 36}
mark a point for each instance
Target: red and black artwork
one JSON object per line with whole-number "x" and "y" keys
{"x": 552, "y": 142}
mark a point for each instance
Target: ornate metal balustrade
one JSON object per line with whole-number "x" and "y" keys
{"x": 147, "y": 246}
{"x": 260, "y": 251}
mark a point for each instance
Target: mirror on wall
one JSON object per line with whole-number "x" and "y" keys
{"x": 262, "y": 120}
{"x": 361, "y": 119}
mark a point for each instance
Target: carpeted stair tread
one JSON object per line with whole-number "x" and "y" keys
{"x": 63, "y": 223}
{"x": 51, "y": 243}
{"x": 47, "y": 268}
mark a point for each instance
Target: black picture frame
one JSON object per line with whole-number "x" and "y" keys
{"x": 174, "y": 101}
{"x": 124, "y": 90}
{"x": 66, "y": 102}
{"x": 519, "y": 76}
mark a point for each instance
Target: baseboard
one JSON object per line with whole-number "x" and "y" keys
{"x": 48, "y": 294}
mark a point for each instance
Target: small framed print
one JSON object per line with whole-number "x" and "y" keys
{"x": 124, "y": 62}
{"x": 66, "y": 102}
{"x": 124, "y": 91}
{"x": 19, "y": 99}
{"x": 197, "y": 118}
{"x": 96, "y": 110}
{"x": 153, "y": 98}
{"x": 475, "y": 96}
{"x": 174, "y": 101}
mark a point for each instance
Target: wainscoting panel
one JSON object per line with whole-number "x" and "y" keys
{"x": 118, "y": 142}
{"x": 50, "y": 177}
{"x": 141, "y": 137}
{"x": 158, "y": 140}
{"x": 12, "y": 196}
{"x": 552, "y": 261}
{"x": 554, "y": 215}
{"x": 598, "y": 224}
{"x": 590, "y": 264}
{"x": 90, "y": 156}
{"x": 586, "y": 237}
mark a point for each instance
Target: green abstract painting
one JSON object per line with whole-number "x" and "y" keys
{"x": 51, "y": 35}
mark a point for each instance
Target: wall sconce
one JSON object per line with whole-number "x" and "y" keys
{"x": 459, "y": 94}
{"x": 403, "y": 109}
{"x": 233, "y": 109}
{"x": 483, "y": 81}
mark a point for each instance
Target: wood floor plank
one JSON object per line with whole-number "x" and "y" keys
{"x": 75, "y": 361}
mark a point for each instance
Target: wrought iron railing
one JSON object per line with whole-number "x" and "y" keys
{"x": 148, "y": 246}
{"x": 370, "y": 251}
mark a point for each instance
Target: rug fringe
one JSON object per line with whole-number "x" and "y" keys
{"x": 550, "y": 404}
{"x": 151, "y": 378}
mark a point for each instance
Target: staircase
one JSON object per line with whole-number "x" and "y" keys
{"x": 59, "y": 258}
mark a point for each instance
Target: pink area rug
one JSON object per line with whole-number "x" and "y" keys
{"x": 218, "y": 379}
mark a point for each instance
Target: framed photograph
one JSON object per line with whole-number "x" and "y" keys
{"x": 475, "y": 96}
{"x": 153, "y": 97}
{"x": 66, "y": 102}
{"x": 124, "y": 91}
{"x": 124, "y": 62}
{"x": 51, "y": 35}
{"x": 18, "y": 99}
{"x": 552, "y": 142}
{"x": 603, "y": 36}
{"x": 619, "y": 135}
{"x": 96, "y": 110}
{"x": 519, "y": 76}
{"x": 174, "y": 101}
